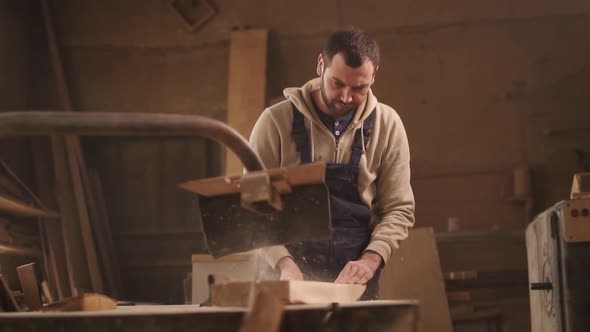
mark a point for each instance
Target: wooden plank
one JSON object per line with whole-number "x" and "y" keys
{"x": 27, "y": 276}
{"x": 74, "y": 156}
{"x": 70, "y": 228}
{"x": 84, "y": 302}
{"x": 73, "y": 159}
{"x": 414, "y": 272}
{"x": 115, "y": 269}
{"x": 265, "y": 315}
{"x": 47, "y": 294}
{"x": 103, "y": 253}
{"x": 246, "y": 95}
{"x": 22, "y": 209}
{"x": 55, "y": 257}
{"x": 295, "y": 176}
{"x": 48, "y": 263}
{"x": 288, "y": 291}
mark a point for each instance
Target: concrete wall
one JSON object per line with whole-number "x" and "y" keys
{"x": 477, "y": 84}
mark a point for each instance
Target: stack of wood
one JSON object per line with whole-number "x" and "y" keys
{"x": 36, "y": 296}
{"x": 75, "y": 245}
{"x": 78, "y": 249}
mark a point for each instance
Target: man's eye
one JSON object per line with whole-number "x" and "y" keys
{"x": 338, "y": 84}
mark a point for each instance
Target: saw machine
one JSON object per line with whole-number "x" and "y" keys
{"x": 558, "y": 247}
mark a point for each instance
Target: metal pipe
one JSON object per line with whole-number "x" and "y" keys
{"x": 129, "y": 124}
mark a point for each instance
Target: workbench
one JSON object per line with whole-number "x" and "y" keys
{"x": 373, "y": 316}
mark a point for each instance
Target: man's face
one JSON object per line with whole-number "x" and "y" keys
{"x": 343, "y": 87}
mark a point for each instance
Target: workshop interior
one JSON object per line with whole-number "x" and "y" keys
{"x": 135, "y": 194}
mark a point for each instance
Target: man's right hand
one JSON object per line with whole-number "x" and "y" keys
{"x": 289, "y": 270}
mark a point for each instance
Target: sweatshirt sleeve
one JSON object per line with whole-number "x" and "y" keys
{"x": 395, "y": 198}
{"x": 266, "y": 141}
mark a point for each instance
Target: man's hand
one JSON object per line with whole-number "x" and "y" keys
{"x": 360, "y": 271}
{"x": 289, "y": 270}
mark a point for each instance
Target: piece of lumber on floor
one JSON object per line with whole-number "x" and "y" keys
{"x": 27, "y": 276}
{"x": 288, "y": 291}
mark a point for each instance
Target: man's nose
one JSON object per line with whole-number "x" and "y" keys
{"x": 346, "y": 96}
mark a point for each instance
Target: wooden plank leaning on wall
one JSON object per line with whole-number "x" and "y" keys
{"x": 76, "y": 199}
{"x": 246, "y": 95}
{"x": 414, "y": 272}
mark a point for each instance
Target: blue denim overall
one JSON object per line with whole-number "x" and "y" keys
{"x": 350, "y": 217}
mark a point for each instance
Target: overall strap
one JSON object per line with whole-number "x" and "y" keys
{"x": 300, "y": 136}
{"x": 357, "y": 144}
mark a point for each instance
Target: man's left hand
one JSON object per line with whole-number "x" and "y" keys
{"x": 360, "y": 271}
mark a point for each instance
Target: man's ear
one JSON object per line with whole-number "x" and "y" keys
{"x": 374, "y": 73}
{"x": 320, "y": 67}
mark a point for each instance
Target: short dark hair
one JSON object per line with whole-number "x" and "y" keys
{"x": 355, "y": 45}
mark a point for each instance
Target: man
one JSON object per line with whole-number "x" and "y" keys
{"x": 336, "y": 119}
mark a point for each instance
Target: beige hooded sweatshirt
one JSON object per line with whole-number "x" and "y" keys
{"x": 384, "y": 175}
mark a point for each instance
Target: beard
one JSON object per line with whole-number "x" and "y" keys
{"x": 335, "y": 106}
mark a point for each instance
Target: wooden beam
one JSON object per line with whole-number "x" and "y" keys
{"x": 246, "y": 95}
{"x": 22, "y": 209}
